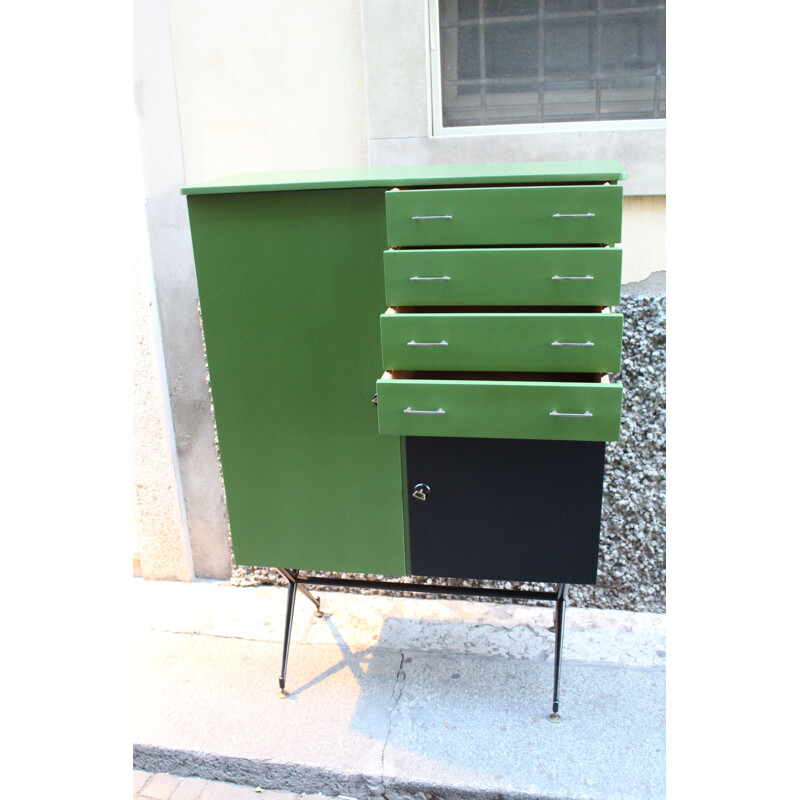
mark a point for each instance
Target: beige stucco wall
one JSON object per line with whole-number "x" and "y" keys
{"x": 644, "y": 237}
{"x": 268, "y": 85}
{"x": 170, "y": 277}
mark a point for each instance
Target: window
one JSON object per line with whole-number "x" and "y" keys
{"x": 507, "y": 62}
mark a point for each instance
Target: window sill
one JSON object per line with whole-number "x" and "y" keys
{"x": 552, "y": 127}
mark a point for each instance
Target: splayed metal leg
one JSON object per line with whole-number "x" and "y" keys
{"x": 292, "y": 578}
{"x": 286, "y": 637}
{"x": 561, "y": 606}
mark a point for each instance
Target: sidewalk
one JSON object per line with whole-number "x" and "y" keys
{"x": 396, "y": 697}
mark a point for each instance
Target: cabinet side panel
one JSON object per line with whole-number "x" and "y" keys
{"x": 291, "y": 289}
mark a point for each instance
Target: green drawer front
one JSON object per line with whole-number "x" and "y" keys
{"x": 500, "y": 409}
{"x": 548, "y": 276}
{"x": 510, "y": 215}
{"x": 502, "y": 342}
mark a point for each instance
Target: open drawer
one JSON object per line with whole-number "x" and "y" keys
{"x": 517, "y": 407}
{"x": 504, "y": 215}
{"x": 499, "y": 276}
{"x": 545, "y": 342}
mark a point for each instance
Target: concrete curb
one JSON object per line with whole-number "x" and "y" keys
{"x": 301, "y": 778}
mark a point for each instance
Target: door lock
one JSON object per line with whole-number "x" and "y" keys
{"x": 421, "y": 491}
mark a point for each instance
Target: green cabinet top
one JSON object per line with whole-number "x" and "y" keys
{"x": 421, "y": 175}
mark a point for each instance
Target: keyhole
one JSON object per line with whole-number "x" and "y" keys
{"x": 421, "y": 491}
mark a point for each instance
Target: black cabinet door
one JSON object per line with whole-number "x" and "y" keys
{"x": 505, "y": 509}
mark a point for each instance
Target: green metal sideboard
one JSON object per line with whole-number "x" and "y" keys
{"x": 409, "y": 369}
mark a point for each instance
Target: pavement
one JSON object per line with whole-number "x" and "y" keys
{"x": 391, "y": 697}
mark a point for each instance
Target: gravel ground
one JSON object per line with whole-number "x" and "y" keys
{"x": 632, "y": 566}
{"x": 632, "y": 569}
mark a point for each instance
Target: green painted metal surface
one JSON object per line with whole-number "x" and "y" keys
{"x": 508, "y": 215}
{"x": 502, "y": 342}
{"x": 499, "y": 409}
{"x": 291, "y": 287}
{"x": 419, "y": 175}
{"x": 498, "y": 276}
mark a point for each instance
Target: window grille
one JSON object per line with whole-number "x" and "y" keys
{"x": 531, "y": 61}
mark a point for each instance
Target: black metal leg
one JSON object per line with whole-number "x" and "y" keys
{"x": 561, "y": 606}
{"x": 291, "y": 576}
{"x": 287, "y": 635}
{"x": 314, "y": 600}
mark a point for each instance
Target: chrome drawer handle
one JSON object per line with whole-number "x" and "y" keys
{"x": 412, "y": 343}
{"x": 443, "y": 278}
{"x": 572, "y": 278}
{"x": 442, "y": 216}
{"x": 560, "y": 414}
{"x": 572, "y": 344}
{"x": 410, "y": 410}
{"x": 572, "y": 216}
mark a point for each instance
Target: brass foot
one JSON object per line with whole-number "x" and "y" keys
{"x": 283, "y": 694}
{"x": 554, "y": 718}
{"x": 318, "y": 613}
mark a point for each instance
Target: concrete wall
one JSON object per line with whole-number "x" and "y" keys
{"x": 175, "y": 300}
{"x": 161, "y": 548}
{"x": 268, "y": 85}
{"x": 644, "y": 240}
{"x": 252, "y": 85}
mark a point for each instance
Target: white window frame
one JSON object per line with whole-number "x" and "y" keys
{"x": 438, "y": 129}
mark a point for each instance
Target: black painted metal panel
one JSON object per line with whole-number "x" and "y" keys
{"x": 505, "y": 509}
